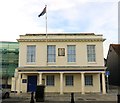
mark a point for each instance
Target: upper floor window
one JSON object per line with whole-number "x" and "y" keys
{"x": 51, "y": 53}
{"x": 31, "y": 53}
{"x": 71, "y": 53}
{"x": 91, "y": 56}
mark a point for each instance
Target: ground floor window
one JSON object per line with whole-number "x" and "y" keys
{"x": 88, "y": 80}
{"x": 69, "y": 80}
{"x": 50, "y": 80}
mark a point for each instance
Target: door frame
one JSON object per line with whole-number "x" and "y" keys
{"x": 33, "y": 83}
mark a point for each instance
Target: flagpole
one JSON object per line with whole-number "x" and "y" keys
{"x": 41, "y": 14}
{"x": 46, "y": 22}
{"x": 46, "y": 32}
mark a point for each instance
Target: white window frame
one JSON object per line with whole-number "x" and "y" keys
{"x": 71, "y": 53}
{"x": 88, "y": 80}
{"x": 31, "y": 54}
{"x": 50, "y": 80}
{"x": 51, "y": 54}
{"x": 91, "y": 53}
{"x": 69, "y": 80}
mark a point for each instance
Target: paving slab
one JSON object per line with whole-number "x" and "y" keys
{"x": 110, "y": 97}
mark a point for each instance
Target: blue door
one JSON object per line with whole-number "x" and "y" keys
{"x": 32, "y": 83}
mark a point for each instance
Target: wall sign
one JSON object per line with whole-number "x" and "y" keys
{"x": 24, "y": 80}
{"x": 61, "y": 51}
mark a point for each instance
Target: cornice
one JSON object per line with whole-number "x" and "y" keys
{"x": 60, "y": 40}
{"x": 61, "y": 68}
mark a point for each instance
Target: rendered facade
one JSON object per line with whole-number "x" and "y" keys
{"x": 8, "y": 60}
{"x": 63, "y": 62}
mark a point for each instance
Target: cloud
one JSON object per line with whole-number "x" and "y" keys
{"x": 21, "y": 16}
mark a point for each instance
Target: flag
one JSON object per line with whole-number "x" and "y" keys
{"x": 43, "y": 12}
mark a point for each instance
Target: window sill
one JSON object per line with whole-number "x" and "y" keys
{"x": 92, "y": 62}
{"x": 31, "y": 63}
{"x": 88, "y": 85}
{"x": 51, "y": 63}
{"x": 49, "y": 85}
{"x": 71, "y": 63}
{"x": 69, "y": 85}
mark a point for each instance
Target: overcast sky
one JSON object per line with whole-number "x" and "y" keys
{"x": 18, "y": 17}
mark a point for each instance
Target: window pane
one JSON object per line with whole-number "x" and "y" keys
{"x": 50, "y": 80}
{"x": 88, "y": 80}
{"x": 91, "y": 53}
{"x": 71, "y": 53}
{"x": 51, "y": 53}
{"x": 31, "y": 53}
{"x": 69, "y": 80}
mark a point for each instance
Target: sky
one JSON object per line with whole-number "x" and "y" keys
{"x": 18, "y": 17}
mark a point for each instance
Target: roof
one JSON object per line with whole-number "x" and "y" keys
{"x": 116, "y": 48}
{"x": 60, "y": 34}
{"x": 61, "y": 37}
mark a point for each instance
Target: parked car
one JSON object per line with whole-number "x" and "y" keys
{"x": 4, "y": 93}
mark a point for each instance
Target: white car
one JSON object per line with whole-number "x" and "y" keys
{"x": 4, "y": 93}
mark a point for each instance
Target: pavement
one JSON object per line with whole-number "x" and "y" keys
{"x": 110, "y": 97}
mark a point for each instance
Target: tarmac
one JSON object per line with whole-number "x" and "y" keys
{"x": 110, "y": 97}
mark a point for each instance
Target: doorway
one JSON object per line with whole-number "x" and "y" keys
{"x": 32, "y": 83}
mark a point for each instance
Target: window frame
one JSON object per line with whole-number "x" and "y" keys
{"x": 88, "y": 80}
{"x": 49, "y": 54}
{"x": 29, "y": 52}
{"x": 50, "y": 80}
{"x": 91, "y": 53}
{"x": 69, "y": 80}
{"x": 71, "y": 53}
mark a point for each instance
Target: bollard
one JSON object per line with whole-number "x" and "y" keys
{"x": 72, "y": 98}
{"x": 118, "y": 98}
{"x": 32, "y": 99}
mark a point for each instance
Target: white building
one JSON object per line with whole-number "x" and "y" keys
{"x": 63, "y": 62}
